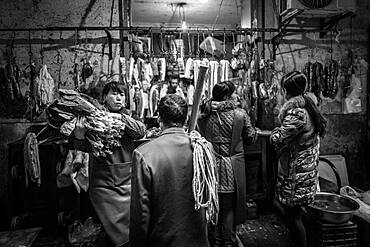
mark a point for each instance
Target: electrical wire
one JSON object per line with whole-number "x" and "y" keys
{"x": 111, "y": 14}
{"x": 218, "y": 15}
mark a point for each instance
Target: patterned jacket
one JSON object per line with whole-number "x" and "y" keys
{"x": 297, "y": 145}
{"x": 218, "y": 124}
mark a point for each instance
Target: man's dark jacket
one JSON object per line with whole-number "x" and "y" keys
{"x": 162, "y": 202}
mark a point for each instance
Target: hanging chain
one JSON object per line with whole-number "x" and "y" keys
{"x": 42, "y": 49}
{"x": 198, "y": 49}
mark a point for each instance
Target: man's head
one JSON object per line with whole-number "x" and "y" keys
{"x": 114, "y": 96}
{"x": 173, "y": 83}
{"x": 172, "y": 111}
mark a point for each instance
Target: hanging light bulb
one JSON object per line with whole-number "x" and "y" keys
{"x": 183, "y": 22}
{"x": 183, "y": 25}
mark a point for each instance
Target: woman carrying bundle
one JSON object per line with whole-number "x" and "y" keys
{"x": 110, "y": 178}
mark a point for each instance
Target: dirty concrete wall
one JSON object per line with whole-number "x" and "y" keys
{"x": 46, "y": 13}
{"x": 346, "y": 133}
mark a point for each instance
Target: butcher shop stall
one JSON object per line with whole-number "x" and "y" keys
{"x": 56, "y": 58}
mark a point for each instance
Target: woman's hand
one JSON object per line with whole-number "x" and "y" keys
{"x": 263, "y": 132}
{"x": 80, "y": 130}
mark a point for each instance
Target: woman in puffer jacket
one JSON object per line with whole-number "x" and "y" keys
{"x": 297, "y": 142}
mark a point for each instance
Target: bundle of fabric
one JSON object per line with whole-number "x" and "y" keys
{"x": 103, "y": 129}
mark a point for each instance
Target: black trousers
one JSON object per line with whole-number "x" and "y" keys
{"x": 293, "y": 217}
{"x": 223, "y": 234}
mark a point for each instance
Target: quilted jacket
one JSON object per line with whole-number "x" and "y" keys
{"x": 297, "y": 145}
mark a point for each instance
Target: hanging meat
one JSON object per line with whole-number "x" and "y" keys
{"x": 315, "y": 76}
{"x": 12, "y": 74}
{"x": 3, "y": 86}
{"x": 31, "y": 160}
{"x": 87, "y": 70}
{"x": 330, "y": 85}
{"x": 153, "y": 100}
{"x": 44, "y": 87}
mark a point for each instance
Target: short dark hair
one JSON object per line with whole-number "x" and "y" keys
{"x": 173, "y": 110}
{"x": 294, "y": 83}
{"x": 115, "y": 86}
{"x": 222, "y": 90}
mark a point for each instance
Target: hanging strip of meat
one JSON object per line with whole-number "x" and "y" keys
{"x": 162, "y": 68}
{"x": 3, "y": 86}
{"x": 318, "y": 70}
{"x": 31, "y": 160}
{"x": 153, "y": 100}
{"x": 225, "y": 66}
{"x": 334, "y": 79}
{"x": 307, "y": 72}
{"x": 331, "y": 71}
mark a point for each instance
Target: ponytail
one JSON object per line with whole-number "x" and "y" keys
{"x": 318, "y": 119}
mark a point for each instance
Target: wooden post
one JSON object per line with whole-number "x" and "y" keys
{"x": 197, "y": 97}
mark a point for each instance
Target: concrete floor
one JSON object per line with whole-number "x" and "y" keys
{"x": 268, "y": 230}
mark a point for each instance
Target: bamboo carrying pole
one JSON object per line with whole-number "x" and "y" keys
{"x": 197, "y": 97}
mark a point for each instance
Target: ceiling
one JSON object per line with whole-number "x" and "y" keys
{"x": 197, "y": 12}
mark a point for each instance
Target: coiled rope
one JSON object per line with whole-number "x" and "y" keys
{"x": 204, "y": 177}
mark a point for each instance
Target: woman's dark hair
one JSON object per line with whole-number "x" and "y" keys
{"x": 295, "y": 84}
{"x": 222, "y": 90}
{"x": 173, "y": 110}
{"x": 115, "y": 86}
